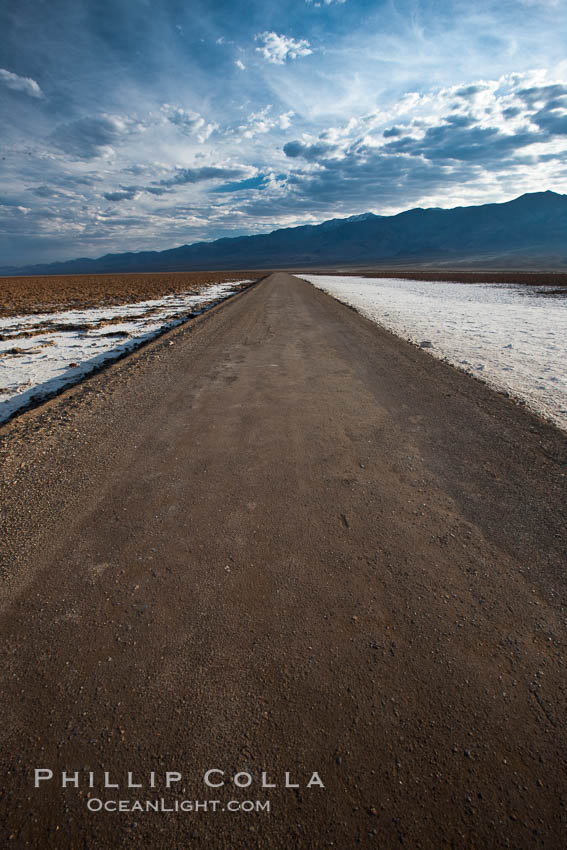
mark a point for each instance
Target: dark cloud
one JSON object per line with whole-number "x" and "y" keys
{"x": 356, "y": 181}
{"x": 72, "y": 180}
{"x": 459, "y": 120}
{"x": 458, "y": 137}
{"x": 45, "y": 192}
{"x": 552, "y": 121}
{"x": 87, "y": 137}
{"x": 67, "y": 190}
{"x": 136, "y": 169}
{"x": 125, "y": 193}
{"x": 469, "y": 91}
{"x": 128, "y": 193}
{"x": 311, "y": 153}
{"x": 393, "y": 132}
{"x": 550, "y": 103}
{"x": 535, "y": 94}
{"x": 155, "y": 190}
{"x": 458, "y": 140}
{"x": 198, "y": 175}
{"x": 557, "y": 102}
{"x": 186, "y": 121}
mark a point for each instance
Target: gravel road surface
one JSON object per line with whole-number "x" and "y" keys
{"x": 281, "y": 540}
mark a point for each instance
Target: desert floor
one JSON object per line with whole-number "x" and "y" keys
{"x": 44, "y": 294}
{"x": 49, "y": 294}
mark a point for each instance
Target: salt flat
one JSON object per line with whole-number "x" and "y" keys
{"x": 44, "y": 352}
{"x": 513, "y": 337}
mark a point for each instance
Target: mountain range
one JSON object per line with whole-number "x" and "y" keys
{"x": 528, "y": 232}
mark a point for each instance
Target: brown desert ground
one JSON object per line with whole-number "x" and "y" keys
{"x": 20, "y": 295}
{"x": 48, "y": 294}
{"x": 280, "y": 539}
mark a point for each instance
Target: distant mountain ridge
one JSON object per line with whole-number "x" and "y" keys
{"x": 530, "y": 231}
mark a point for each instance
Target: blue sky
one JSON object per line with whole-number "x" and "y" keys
{"x": 144, "y": 124}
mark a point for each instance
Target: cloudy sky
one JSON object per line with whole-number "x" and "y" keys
{"x": 145, "y": 124}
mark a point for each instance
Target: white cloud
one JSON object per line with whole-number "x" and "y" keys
{"x": 25, "y": 84}
{"x": 324, "y": 2}
{"x": 487, "y": 103}
{"x": 189, "y": 123}
{"x": 486, "y": 140}
{"x": 285, "y": 120}
{"x": 277, "y": 48}
{"x": 258, "y": 123}
{"x": 240, "y": 64}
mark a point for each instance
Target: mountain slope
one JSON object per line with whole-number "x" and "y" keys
{"x": 530, "y": 230}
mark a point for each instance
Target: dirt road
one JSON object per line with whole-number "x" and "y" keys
{"x": 282, "y": 540}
